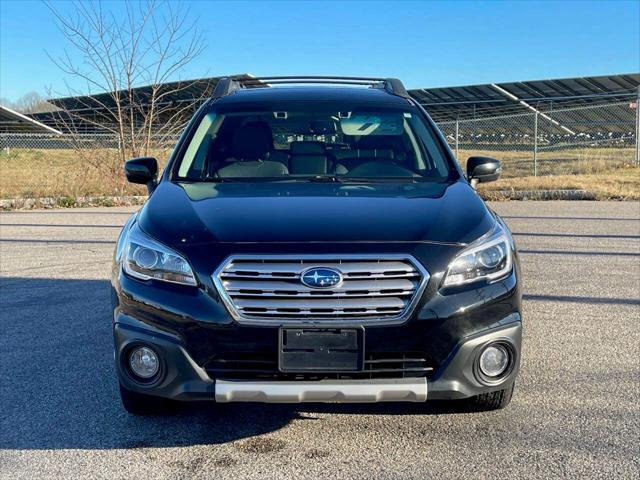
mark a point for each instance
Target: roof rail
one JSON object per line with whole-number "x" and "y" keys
{"x": 227, "y": 85}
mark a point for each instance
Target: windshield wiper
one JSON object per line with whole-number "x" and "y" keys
{"x": 207, "y": 179}
{"x": 347, "y": 179}
{"x": 235, "y": 179}
{"x": 312, "y": 179}
{"x": 379, "y": 179}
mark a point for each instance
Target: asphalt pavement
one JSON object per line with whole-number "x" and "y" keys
{"x": 575, "y": 413}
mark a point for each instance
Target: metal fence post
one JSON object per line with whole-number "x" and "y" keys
{"x": 4, "y": 145}
{"x": 457, "y": 130}
{"x": 535, "y": 145}
{"x": 638, "y": 127}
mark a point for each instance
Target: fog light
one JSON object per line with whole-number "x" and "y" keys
{"x": 143, "y": 362}
{"x": 494, "y": 360}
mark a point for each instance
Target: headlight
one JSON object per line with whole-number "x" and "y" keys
{"x": 489, "y": 259}
{"x": 146, "y": 259}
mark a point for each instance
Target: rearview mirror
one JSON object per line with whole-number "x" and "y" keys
{"x": 142, "y": 170}
{"x": 483, "y": 169}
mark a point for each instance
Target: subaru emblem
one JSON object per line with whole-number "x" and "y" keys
{"x": 320, "y": 277}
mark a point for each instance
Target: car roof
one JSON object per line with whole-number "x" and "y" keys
{"x": 347, "y": 94}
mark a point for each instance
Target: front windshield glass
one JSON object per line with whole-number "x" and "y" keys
{"x": 302, "y": 143}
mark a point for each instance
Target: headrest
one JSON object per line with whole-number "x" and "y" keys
{"x": 384, "y": 153}
{"x": 307, "y": 148}
{"x": 252, "y": 141}
{"x": 375, "y": 153}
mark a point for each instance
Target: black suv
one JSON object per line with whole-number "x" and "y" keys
{"x": 314, "y": 243}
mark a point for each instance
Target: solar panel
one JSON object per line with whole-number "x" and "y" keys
{"x": 15, "y": 122}
{"x": 478, "y": 101}
{"x": 443, "y": 103}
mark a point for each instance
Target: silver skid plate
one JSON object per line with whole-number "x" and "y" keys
{"x": 341, "y": 391}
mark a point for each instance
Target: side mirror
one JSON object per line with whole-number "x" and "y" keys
{"x": 142, "y": 170}
{"x": 483, "y": 169}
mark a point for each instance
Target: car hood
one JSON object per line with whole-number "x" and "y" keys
{"x": 195, "y": 213}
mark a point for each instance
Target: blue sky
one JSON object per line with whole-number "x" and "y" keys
{"x": 424, "y": 43}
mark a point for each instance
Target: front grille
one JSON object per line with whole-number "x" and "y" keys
{"x": 270, "y": 288}
{"x": 256, "y": 366}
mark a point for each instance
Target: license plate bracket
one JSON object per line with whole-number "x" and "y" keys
{"x": 321, "y": 350}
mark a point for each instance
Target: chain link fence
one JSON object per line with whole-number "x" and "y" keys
{"x": 36, "y": 165}
{"x": 588, "y": 139}
{"x": 86, "y": 141}
{"x": 560, "y": 142}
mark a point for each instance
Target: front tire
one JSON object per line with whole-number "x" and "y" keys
{"x": 493, "y": 400}
{"x": 141, "y": 404}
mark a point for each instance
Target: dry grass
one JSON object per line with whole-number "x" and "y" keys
{"x": 619, "y": 184}
{"x": 37, "y": 173}
{"x": 517, "y": 164}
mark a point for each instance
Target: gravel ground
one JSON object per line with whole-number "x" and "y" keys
{"x": 575, "y": 413}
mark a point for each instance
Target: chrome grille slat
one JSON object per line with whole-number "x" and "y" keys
{"x": 297, "y": 268}
{"x": 282, "y": 276}
{"x": 333, "y": 314}
{"x": 269, "y": 289}
{"x": 322, "y": 295}
{"x": 295, "y": 289}
{"x": 270, "y": 286}
{"x": 325, "y": 303}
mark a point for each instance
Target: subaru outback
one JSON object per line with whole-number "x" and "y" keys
{"x": 313, "y": 239}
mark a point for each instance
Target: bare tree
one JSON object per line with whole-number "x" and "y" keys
{"x": 31, "y": 102}
{"x": 147, "y": 44}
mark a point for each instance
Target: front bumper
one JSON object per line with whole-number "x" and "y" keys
{"x": 184, "y": 379}
{"x": 191, "y": 328}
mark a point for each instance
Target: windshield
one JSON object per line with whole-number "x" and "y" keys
{"x": 317, "y": 143}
